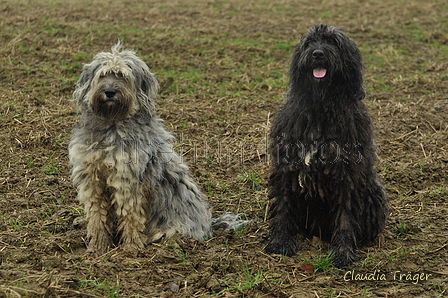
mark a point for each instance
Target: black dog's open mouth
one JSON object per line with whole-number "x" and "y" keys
{"x": 319, "y": 73}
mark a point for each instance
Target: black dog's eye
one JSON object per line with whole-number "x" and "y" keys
{"x": 333, "y": 41}
{"x": 306, "y": 43}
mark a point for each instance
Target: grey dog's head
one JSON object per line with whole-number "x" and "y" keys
{"x": 115, "y": 85}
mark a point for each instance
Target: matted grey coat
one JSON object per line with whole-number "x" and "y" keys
{"x": 133, "y": 186}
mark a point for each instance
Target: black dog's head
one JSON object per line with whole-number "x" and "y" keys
{"x": 326, "y": 57}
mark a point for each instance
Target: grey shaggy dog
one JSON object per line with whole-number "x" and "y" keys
{"x": 133, "y": 186}
{"x": 323, "y": 180}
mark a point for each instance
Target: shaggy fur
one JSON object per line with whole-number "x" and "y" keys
{"x": 132, "y": 184}
{"x": 322, "y": 152}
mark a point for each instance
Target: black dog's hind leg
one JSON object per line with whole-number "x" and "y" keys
{"x": 343, "y": 239}
{"x": 283, "y": 228}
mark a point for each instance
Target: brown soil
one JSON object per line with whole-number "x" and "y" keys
{"x": 222, "y": 67}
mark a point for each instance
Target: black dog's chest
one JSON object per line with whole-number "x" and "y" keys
{"x": 321, "y": 154}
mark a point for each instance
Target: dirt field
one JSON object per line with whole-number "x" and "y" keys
{"x": 222, "y": 66}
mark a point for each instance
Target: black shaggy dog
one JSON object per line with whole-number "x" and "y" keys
{"x": 322, "y": 152}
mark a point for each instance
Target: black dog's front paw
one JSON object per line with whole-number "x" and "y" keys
{"x": 286, "y": 248}
{"x": 343, "y": 259}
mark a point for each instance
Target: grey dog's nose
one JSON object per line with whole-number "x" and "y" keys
{"x": 110, "y": 92}
{"x": 318, "y": 54}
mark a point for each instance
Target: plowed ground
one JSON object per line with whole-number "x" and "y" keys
{"x": 223, "y": 70}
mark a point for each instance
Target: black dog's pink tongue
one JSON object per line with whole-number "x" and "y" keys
{"x": 319, "y": 73}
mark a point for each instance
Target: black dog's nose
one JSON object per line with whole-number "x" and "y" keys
{"x": 318, "y": 54}
{"x": 110, "y": 92}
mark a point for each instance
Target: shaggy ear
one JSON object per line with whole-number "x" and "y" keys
{"x": 82, "y": 86}
{"x": 353, "y": 66}
{"x": 149, "y": 85}
{"x": 148, "y": 90}
{"x": 294, "y": 72}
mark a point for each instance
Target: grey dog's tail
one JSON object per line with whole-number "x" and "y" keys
{"x": 228, "y": 221}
